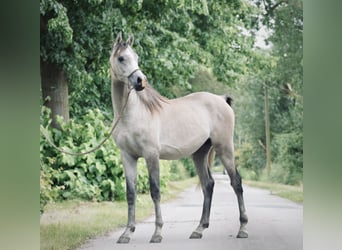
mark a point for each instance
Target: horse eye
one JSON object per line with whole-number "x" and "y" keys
{"x": 121, "y": 58}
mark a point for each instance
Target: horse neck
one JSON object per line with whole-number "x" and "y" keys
{"x": 149, "y": 98}
{"x": 119, "y": 96}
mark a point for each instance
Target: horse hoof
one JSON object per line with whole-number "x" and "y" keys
{"x": 242, "y": 234}
{"x": 156, "y": 239}
{"x": 195, "y": 235}
{"x": 123, "y": 239}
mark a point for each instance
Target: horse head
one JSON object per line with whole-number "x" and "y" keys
{"x": 124, "y": 64}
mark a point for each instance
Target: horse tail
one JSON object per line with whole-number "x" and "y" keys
{"x": 211, "y": 158}
{"x": 228, "y": 99}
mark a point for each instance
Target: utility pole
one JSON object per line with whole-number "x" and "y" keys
{"x": 267, "y": 130}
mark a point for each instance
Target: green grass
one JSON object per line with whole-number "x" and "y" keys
{"x": 290, "y": 192}
{"x": 293, "y": 193}
{"x": 67, "y": 225}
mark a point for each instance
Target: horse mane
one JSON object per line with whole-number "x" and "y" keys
{"x": 151, "y": 99}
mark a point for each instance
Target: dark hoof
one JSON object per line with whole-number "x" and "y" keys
{"x": 195, "y": 235}
{"x": 156, "y": 239}
{"x": 123, "y": 239}
{"x": 242, "y": 234}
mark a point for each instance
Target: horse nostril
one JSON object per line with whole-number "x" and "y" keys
{"x": 139, "y": 85}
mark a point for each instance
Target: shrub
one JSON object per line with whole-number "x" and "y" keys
{"x": 96, "y": 176}
{"x": 289, "y": 157}
{"x": 178, "y": 171}
{"x": 189, "y": 166}
{"x": 249, "y": 161}
{"x": 143, "y": 185}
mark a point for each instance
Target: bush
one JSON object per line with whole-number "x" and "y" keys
{"x": 289, "y": 157}
{"x": 143, "y": 185}
{"x": 248, "y": 174}
{"x": 278, "y": 174}
{"x": 178, "y": 171}
{"x": 96, "y": 176}
{"x": 47, "y": 191}
{"x": 287, "y": 160}
{"x": 250, "y": 161}
{"x": 189, "y": 166}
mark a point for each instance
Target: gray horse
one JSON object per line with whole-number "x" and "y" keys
{"x": 154, "y": 127}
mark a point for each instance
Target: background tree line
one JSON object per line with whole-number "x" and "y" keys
{"x": 184, "y": 46}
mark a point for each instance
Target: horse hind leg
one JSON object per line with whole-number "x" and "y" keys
{"x": 227, "y": 160}
{"x": 200, "y": 158}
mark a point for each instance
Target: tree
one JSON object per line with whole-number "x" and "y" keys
{"x": 74, "y": 45}
{"x": 285, "y": 90}
{"x": 174, "y": 39}
{"x": 56, "y": 36}
{"x": 288, "y": 47}
{"x": 251, "y": 112}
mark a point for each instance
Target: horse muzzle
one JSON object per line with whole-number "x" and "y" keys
{"x": 140, "y": 83}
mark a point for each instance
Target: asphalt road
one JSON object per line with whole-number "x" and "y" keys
{"x": 274, "y": 223}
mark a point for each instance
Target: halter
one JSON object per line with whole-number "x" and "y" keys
{"x": 129, "y": 74}
{"x": 133, "y": 72}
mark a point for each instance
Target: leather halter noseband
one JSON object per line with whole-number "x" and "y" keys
{"x": 133, "y": 72}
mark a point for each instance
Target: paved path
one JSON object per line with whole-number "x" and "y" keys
{"x": 274, "y": 223}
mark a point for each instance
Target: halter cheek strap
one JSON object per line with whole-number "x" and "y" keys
{"x": 133, "y": 72}
{"x": 129, "y": 74}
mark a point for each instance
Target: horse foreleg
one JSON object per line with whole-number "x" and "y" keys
{"x": 154, "y": 179}
{"x": 130, "y": 167}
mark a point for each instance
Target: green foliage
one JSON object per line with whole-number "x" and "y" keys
{"x": 178, "y": 171}
{"x": 174, "y": 39}
{"x": 290, "y": 157}
{"x": 281, "y": 68}
{"x": 143, "y": 185}
{"x": 48, "y": 192}
{"x": 96, "y": 176}
{"x": 59, "y": 34}
{"x": 189, "y": 166}
{"x": 245, "y": 162}
{"x": 204, "y": 80}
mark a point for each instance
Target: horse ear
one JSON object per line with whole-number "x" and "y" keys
{"x": 130, "y": 40}
{"x": 118, "y": 39}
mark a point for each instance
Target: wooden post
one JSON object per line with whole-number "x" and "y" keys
{"x": 267, "y": 131}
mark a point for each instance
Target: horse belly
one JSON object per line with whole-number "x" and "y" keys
{"x": 184, "y": 144}
{"x": 172, "y": 152}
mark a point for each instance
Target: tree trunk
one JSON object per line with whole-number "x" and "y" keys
{"x": 55, "y": 91}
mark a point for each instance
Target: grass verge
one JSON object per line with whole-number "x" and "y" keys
{"x": 293, "y": 193}
{"x": 67, "y": 225}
